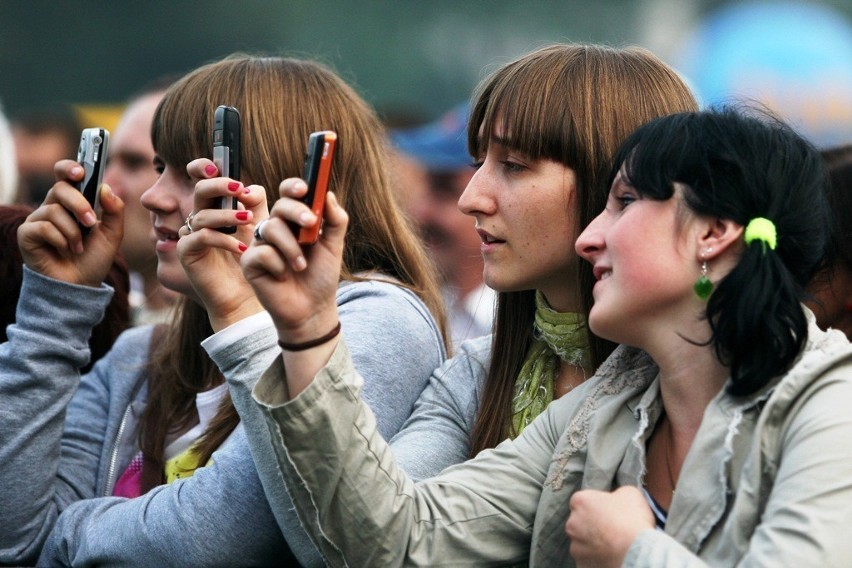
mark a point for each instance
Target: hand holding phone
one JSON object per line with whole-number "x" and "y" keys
{"x": 226, "y": 151}
{"x": 91, "y": 154}
{"x": 318, "y": 160}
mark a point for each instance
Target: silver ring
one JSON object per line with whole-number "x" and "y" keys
{"x": 258, "y": 231}
{"x": 188, "y": 222}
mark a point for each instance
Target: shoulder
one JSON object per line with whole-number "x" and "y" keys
{"x": 382, "y": 308}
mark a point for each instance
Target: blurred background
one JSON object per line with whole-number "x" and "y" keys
{"x": 414, "y": 60}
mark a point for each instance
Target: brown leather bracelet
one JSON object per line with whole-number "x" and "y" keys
{"x": 313, "y": 342}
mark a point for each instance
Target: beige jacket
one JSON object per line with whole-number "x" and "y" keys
{"x": 767, "y": 482}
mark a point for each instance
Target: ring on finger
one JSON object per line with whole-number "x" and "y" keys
{"x": 188, "y": 222}
{"x": 258, "y": 231}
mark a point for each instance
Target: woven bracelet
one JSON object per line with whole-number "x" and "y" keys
{"x": 313, "y": 342}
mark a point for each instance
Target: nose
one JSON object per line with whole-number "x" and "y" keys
{"x": 157, "y": 198}
{"x": 591, "y": 242}
{"x": 476, "y": 197}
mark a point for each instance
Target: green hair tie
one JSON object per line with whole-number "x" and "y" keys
{"x": 762, "y": 230}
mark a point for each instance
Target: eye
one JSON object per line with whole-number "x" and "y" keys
{"x": 625, "y": 199}
{"x": 511, "y": 166}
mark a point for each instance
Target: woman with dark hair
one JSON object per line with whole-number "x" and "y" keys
{"x": 144, "y": 460}
{"x": 713, "y": 434}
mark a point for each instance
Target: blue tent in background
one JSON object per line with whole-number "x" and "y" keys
{"x": 795, "y": 58}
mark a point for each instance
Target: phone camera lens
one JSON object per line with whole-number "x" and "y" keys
{"x": 97, "y": 140}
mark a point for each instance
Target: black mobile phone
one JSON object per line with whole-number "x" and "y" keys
{"x": 226, "y": 151}
{"x": 91, "y": 154}
{"x": 318, "y": 160}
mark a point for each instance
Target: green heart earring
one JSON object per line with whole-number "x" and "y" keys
{"x": 703, "y": 287}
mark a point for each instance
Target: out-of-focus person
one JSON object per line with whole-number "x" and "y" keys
{"x": 831, "y": 287}
{"x": 8, "y": 167}
{"x": 43, "y": 136}
{"x": 130, "y": 171}
{"x": 433, "y": 171}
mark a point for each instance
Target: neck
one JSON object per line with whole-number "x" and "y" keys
{"x": 690, "y": 376}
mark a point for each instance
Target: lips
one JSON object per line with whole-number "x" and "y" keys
{"x": 165, "y": 234}
{"x": 487, "y": 238}
{"x": 601, "y": 272}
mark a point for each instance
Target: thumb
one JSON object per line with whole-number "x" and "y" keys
{"x": 112, "y": 212}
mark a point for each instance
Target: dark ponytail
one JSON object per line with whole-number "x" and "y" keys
{"x": 741, "y": 167}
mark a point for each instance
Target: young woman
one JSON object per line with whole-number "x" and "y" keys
{"x": 719, "y": 420}
{"x": 543, "y": 130}
{"x": 154, "y": 417}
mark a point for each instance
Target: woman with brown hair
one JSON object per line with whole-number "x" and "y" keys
{"x": 154, "y": 419}
{"x": 544, "y": 130}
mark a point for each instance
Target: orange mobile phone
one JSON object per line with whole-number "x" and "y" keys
{"x": 318, "y": 162}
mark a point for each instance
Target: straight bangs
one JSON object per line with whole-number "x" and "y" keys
{"x": 653, "y": 158}
{"x": 183, "y": 124}
{"x": 540, "y": 123}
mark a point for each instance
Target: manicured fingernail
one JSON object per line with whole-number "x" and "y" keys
{"x": 89, "y": 219}
{"x": 241, "y": 215}
{"x": 242, "y": 247}
{"x": 246, "y": 191}
{"x": 233, "y": 185}
{"x": 300, "y": 263}
{"x": 306, "y": 217}
{"x": 210, "y": 169}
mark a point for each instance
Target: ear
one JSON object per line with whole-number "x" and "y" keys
{"x": 718, "y": 236}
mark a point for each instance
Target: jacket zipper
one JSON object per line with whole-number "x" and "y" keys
{"x": 114, "y": 457}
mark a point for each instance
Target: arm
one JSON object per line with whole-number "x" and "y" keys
{"x": 39, "y": 374}
{"x": 477, "y": 513}
{"x": 437, "y": 434}
{"x": 372, "y": 313}
{"x": 219, "y": 516}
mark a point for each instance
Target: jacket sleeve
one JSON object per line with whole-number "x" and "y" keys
{"x": 396, "y": 344}
{"x": 364, "y": 511}
{"x": 39, "y": 374}
{"x": 217, "y": 517}
{"x": 437, "y": 434}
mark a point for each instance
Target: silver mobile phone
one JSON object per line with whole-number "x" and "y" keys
{"x": 226, "y": 151}
{"x": 91, "y": 154}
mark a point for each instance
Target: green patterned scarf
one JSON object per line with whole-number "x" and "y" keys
{"x": 558, "y": 336}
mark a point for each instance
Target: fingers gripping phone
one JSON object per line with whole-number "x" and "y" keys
{"x": 226, "y": 151}
{"x": 91, "y": 154}
{"x": 318, "y": 160}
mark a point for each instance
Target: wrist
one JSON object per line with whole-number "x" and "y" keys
{"x": 320, "y": 324}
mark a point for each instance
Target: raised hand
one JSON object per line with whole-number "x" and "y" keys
{"x": 211, "y": 257}
{"x": 297, "y": 285}
{"x": 51, "y": 241}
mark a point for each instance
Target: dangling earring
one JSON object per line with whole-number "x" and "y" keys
{"x": 703, "y": 287}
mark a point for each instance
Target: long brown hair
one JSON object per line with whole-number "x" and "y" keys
{"x": 281, "y": 101}
{"x": 573, "y": 104}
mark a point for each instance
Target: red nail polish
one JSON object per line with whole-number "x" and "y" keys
{"x": 246, "y": 191}
{"x": 210, "y": 169}
{"x": 241, "y": 215}
{"x": 243, "y": 247}
{"x": 234, "y": 185}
